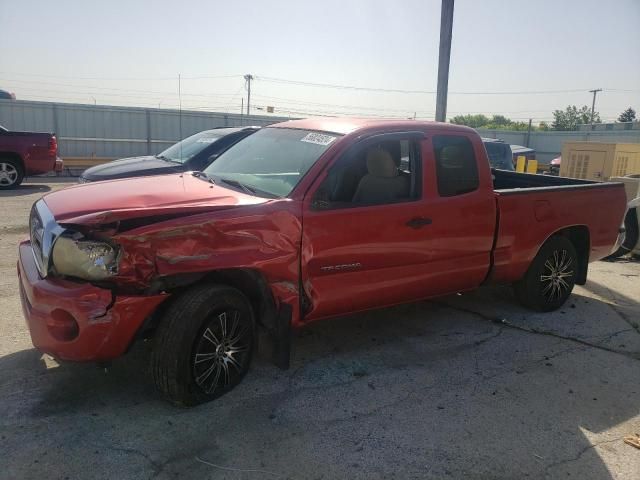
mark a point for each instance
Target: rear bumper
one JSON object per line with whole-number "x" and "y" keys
{"x": 106, "y": 324}
{"x": 59, "y": 165}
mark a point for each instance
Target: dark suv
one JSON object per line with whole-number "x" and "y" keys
{"x": 499, "y": 153}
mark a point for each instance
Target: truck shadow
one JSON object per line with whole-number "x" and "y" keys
{"x": 431, "y": 389}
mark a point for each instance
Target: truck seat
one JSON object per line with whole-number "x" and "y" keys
{"x": 383, "y": 182}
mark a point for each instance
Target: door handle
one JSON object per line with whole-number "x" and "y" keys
{"x": 418, "y": 222}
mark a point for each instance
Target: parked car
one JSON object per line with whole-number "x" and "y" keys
{"x": 4, "y": 95}
{"x": 301, "y": 221}
{"x": 499, "y": 153}
{"x": 193, "y": 153}
{"x": 26, "y": 153}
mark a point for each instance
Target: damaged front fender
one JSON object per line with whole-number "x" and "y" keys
{"x": 263, "y": 238}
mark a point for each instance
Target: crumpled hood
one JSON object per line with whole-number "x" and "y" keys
{"x": 114, "y": 200}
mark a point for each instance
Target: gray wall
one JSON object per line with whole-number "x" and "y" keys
{"x": 548, "y": 145}
{"x": 115, "y": 132}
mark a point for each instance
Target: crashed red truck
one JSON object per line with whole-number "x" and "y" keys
{"x": 301, "y": 221}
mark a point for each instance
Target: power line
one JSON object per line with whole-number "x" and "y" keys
{"x": 303, "y": 102}
{"x": 91, "y": 87}
{"x": 428, "y": 92}
{"x": 119, "y": 78}
{"x": 79, "y": 98}
{"x": 407, "y": 110}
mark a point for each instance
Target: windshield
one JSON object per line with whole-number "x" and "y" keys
{"x": 499, "y": 155}
{"x": 189, "y": 147}
{"x": 272, "y": 160}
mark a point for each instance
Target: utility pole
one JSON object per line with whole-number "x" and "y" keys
{"x": 593, "y": 104}
{"x": 446, "y": 26}
{"x": 528, "y": 134}
{"x": 248, "y": 77}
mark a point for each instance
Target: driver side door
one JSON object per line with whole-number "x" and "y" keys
{"x": 361, "y": 256}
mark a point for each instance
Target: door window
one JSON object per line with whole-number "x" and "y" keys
{"x": 456, "y": 166}
{"x": 378, "y": 172}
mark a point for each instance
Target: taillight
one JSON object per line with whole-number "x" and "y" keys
{"x": 53, "y": 147}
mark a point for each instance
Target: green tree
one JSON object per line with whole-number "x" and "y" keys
{"x": 629, "y": 115}
{"x": 473, "y": 121}
{"x": 500, "y": 120}
{"x": 544, "y": 126}
{"x": 496, "y": 122}
{"x": 572, "y": 116}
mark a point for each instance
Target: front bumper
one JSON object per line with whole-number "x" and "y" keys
{"x": 106, "y": 323}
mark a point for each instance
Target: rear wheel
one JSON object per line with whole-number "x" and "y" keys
{"x": 550, "y": 277}
{"x": 11, "y": 173}
{"x": 203, "y": 346}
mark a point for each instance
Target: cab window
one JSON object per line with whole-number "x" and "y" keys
{"x": 374, "y": 173}
{"x": 456, "y": 166}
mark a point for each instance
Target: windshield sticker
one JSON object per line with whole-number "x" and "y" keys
{"x": 206, "y": 140}
{"x": 318, "y": 138}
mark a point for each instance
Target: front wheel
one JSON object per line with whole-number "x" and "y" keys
{"x": 203, "y": 345}
{"x": 550, "y": 277}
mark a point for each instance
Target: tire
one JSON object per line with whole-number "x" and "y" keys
{"x": 203, "y": 345}
{"x": 630, "y": 236}
{"x": 11, "y": 173}
{"x": 550, "y": 277}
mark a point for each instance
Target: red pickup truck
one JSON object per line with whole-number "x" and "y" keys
{"x": 301, "y": 221}
{"x": 26, "y": 153}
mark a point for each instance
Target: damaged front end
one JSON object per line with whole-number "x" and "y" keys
{"x": 90, "y": 287}
{"x": 71, "y": 304}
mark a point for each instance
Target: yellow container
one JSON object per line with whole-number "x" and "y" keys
{"x": 599, "y": 161}
{"x": 520, "y": 163}
{"x": 532, "y": 166}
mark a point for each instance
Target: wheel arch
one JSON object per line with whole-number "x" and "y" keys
{"x": 580, "y": 237}
{"x": 14, "y": 156}
{"x": 248, "y": 281}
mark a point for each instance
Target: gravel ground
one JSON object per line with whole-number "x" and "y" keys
{"x": 467, "y": 386}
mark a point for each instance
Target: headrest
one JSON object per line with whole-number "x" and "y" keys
{"x": 451, "y": 156}
{"x": 381, "y": 164}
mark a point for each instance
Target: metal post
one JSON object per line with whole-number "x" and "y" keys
{"x": 528, "y": 135}
{"x": 593, "y": 104}
{"x": 446, "y": 26}
{"x": 242, "y": 111}
{"x": 248, "y": 77}
{"x": 148, "y": 116}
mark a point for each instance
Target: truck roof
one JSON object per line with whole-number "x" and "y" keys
{"x": 344, "y": 126}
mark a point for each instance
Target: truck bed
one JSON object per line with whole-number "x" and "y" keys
{"x": 533, "y": 207}
{"x": 505, "y": 181}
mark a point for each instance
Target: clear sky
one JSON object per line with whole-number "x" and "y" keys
{"x": 131, "y": 52}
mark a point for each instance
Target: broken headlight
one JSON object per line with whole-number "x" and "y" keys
{"x": 85, "y": 259}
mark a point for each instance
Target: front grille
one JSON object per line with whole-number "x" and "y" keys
{"x": 44, "y": 232}
{"x": 36, "y": 230}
